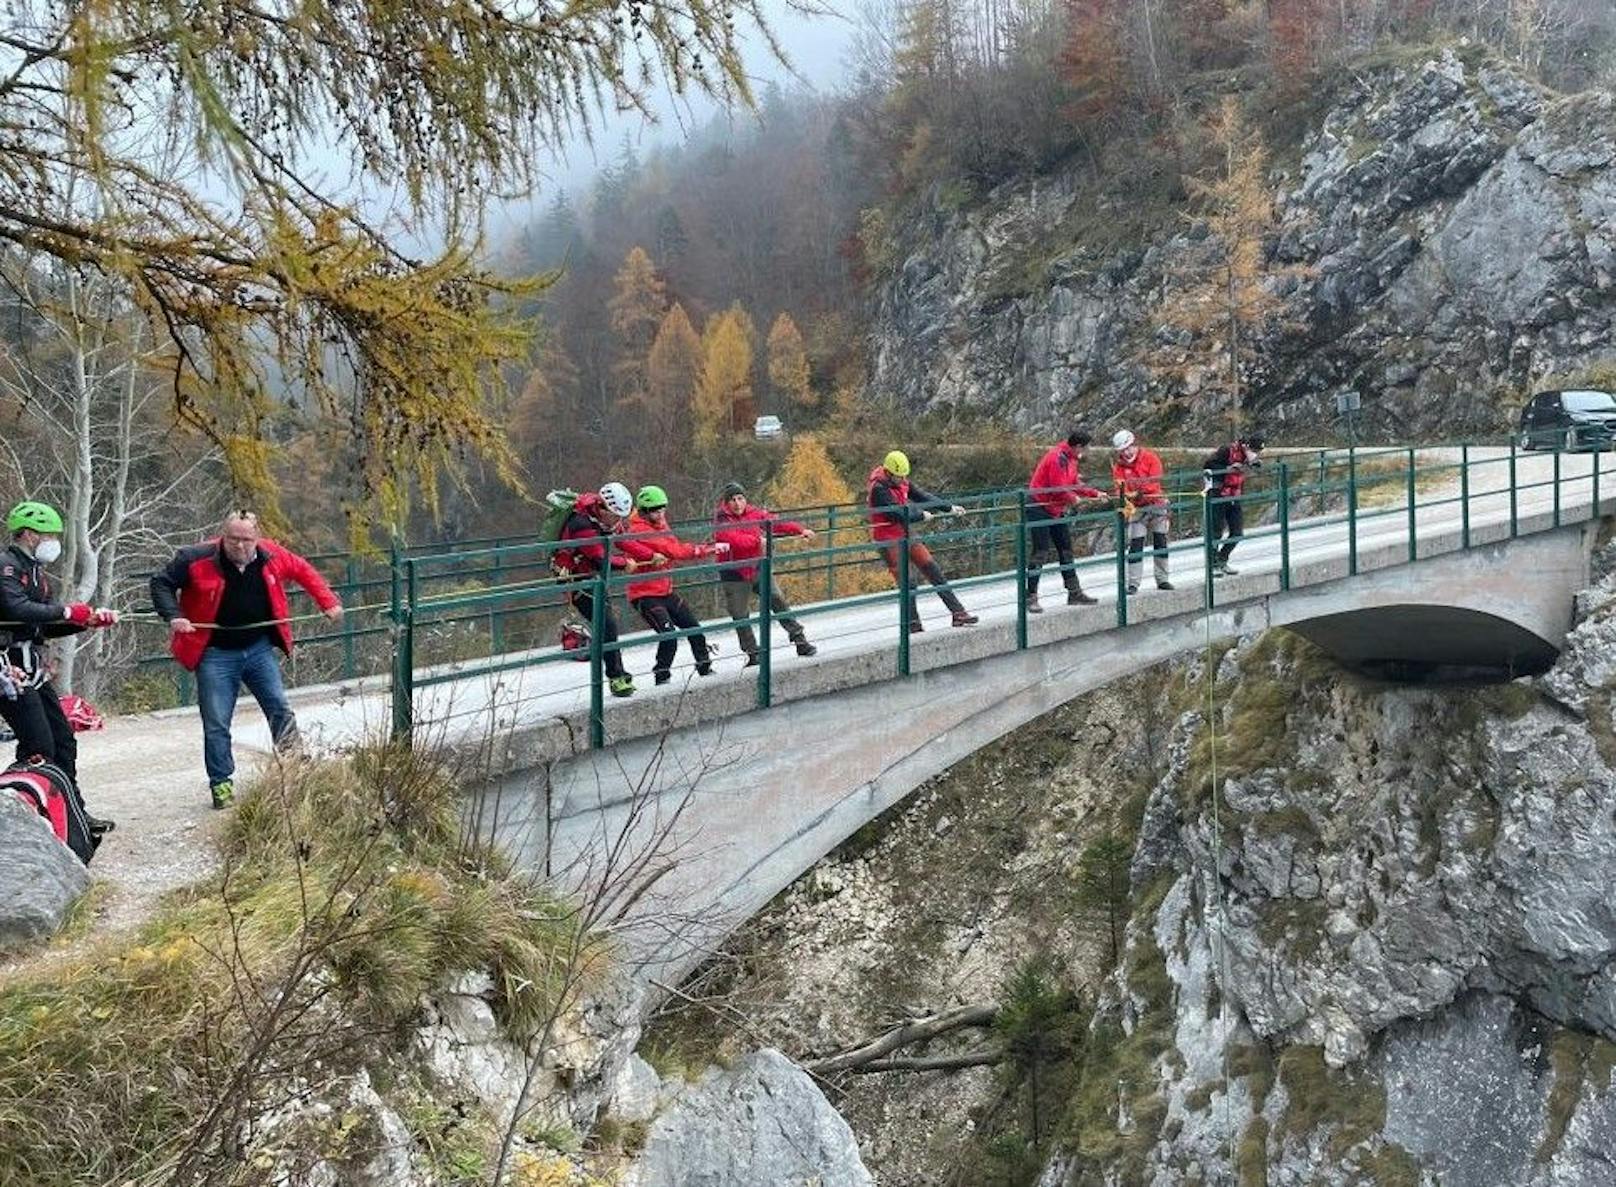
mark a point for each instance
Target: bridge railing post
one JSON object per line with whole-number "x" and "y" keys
{"x": 1464, "y": 495}
{"x": 496, "y": 617}
{"x": 597, "y": 650}
{"x": 830, "y": 561}
{"x": 1514, "y": 494}
{"x": 1021, "y": 570}
{"x": 905, "y": 592}
{"x": 765, "y": 586}
{"x": 1352, "y": 510}
{"x": 1122, "y": 568}
{"x": 1599, "y": 457}
{"x": 404, "y": 590}
{"x": 350, "y": 597}
{"x": 1209, "y": 546}
{"x": 1413, "y": 518}
{"x": 1556, "y": 517}
{"x": 1284, "y": 525}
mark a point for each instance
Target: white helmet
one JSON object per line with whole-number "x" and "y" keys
{"x": 617, "y": 499}
{"x": 1122, "y": 439}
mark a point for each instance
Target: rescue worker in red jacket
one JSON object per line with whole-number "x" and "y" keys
{"x": 35, "y": 713}
{"x": 1138, "y": 475}
{"x": 663, "y": 610}
{"x": 894, "y": 501}
{"x": 1057, "y": 486}
{"x": 1226, "y": 471}
{"x": 225, "y": 604}
{"x": 595, "y": 516}
{"x": 740, "y": 525}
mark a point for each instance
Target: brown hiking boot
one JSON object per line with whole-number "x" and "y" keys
{"x": 915, "y": 626}
{"x": 965, "y": 618}
{"x": 1032, "y": 605}
{"x": 1076, "y": 597}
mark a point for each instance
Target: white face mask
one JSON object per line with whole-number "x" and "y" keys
{"x": 48, "y": 552}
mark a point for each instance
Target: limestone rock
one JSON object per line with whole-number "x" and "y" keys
{"x": 40, "y": 878}
{"x": 1454, "y": 224}
{"x": 762, "y": 1121}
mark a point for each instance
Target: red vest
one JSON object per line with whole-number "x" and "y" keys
{"x": 882, "y": 528}
{"x": 1234, "y": 480}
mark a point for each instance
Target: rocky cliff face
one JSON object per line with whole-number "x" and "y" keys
{"x": 1454, "y": 224}
{"x": 1383, "y": 952}
{"x": 1404, "y": 967}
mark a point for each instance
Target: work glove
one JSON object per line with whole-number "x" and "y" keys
{"x": 721, "y": 548}
{"x": 78, "y": 613}
{"x": 956, "y": 509}
{"x": 104, "y": 617}
{"x": 1206, "y": 483}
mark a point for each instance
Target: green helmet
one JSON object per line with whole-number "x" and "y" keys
{"x": 41, "y": 517}
{"x": 651, "y": 497}
{"x": 896, "y": 463}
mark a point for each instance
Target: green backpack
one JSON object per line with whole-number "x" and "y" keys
{"x": 558, "y": 505}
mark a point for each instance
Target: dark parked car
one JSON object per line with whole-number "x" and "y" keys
{"x": 1568, "y": 420}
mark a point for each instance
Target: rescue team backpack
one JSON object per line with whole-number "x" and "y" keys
{"x": 558, "y": 506}
{"x": 46, "y": 789}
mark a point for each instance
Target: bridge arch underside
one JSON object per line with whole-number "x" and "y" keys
{"x": 760, "y": 796}
{"x": 1411, "y": 641}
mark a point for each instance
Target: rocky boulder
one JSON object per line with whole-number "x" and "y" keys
{"x": 40, "y": 878}
{"x": 761, "y": 1121}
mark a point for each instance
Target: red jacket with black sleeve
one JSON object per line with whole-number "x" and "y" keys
{"x": 1056, "y": 483}
{"x": 893, "y": 502}
{"x": 659, "y": 584}
{"x": 192, "y": 586}
{"x": 744, "y": 535}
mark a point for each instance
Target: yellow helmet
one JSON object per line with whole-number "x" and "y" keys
{"x": 896, "y": 463}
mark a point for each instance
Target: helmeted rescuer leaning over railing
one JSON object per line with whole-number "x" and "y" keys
{"x": 595, "y": 516}
{"x": 226, "y": 607}
{"x": 653, "y": 594}
{"x": 895, "y": 506}
{"x": 1138, "y": 475}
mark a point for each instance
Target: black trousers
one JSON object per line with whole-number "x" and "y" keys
{"x": 1230, "y": 516}
{"x": 585, "y": 605}
{"x": 42, "y": 730}
{"x": 667, "y": 614}
{"x": 1050, "y": 537}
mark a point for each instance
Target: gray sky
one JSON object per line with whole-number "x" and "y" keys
{"x": 817, "y": 47}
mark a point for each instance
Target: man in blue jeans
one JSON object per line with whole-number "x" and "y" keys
{"x": 225, "y": 603}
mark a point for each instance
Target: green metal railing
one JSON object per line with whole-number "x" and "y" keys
{"x": 1374, "y": 506}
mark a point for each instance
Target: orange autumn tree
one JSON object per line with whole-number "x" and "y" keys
{"x": 673, "y": 378}
{"x": 788, "y": 366}
{"x": 809, "y": 479}
{"x": 724, "y": 402}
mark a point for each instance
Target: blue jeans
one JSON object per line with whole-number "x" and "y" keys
{"x": 219, "y": 678}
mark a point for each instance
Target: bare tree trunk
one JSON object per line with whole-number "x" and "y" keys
{"x": 916, "y": 1031}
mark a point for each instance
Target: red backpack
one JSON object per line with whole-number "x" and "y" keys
{"x": 46, "y": 789}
